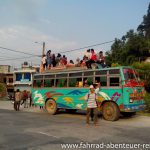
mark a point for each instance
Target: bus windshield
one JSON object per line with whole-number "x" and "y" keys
{"x": 129, "y": 74}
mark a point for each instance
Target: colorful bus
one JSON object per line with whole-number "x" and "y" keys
{"x": 120, "y": 92}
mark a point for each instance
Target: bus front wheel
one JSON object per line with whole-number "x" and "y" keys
{"x": 110, "y": 111}
{"x": 51, "y": 106}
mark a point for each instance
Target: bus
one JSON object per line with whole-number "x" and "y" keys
{"x": 121, "y": 90}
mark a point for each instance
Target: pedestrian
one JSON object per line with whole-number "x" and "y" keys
{"x": 91, "y": 99}
{"x": 25, "y": 97}
{"x": 17, "y": 100}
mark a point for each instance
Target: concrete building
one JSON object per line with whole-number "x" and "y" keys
{"x": 23, "y": 77}
{"x": 9, "y": 82}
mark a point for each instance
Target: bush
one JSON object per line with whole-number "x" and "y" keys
{"x": 3, "y": 90}
{"x": 147, "y": 101}
{"x": 115, "y": 65}
{"x": 147, "y": 86}
{"x": 2, "y": 87}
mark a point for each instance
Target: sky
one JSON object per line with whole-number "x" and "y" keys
{"x": 63, "y": 25}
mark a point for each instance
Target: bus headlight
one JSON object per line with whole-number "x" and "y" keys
{"x": 131, "y": 100}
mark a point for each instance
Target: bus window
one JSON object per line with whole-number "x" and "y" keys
{"x": 72, "y": 82}
{"x": 102, "y": 80}
{"x": 129, "y": 74}
{"x": 101, "y": 72}
{"x": 114, "y": 71}
{"x": 61, "y": 82}
{"x": 38, "y": 83}
{"x": 87, "y": 81}
{"x": 77, "y": 74}
{"x": 75, "y": 82}
{"x": 114, "y": 81}
{"x": 49, "y": 82}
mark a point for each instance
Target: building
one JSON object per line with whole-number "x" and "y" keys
{"x": 9, "y": 82}
{"x": 23, "y": 77}
{"x": 4, "y": 69}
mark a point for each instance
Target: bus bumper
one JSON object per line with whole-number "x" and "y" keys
{"x": 134, "y": 107}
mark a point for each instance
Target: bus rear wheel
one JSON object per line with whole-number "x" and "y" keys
{"x": 51, "y": 106}
{"x": 110, "y": 111}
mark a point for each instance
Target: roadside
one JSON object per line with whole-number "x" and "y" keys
{"x": 143, "y": 113}
{"x": 7, "y": 104}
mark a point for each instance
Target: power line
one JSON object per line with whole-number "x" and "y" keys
{"x": 17, "y": 58}
{"x": 87, "y": 46}
{"x": 33, "y": 55}
{"x": 18, "y": 51}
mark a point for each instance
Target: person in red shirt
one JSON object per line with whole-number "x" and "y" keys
{"x": 93, "y": 59}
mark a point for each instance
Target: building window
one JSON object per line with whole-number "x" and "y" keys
{"x": 27, "y": 76}
{"x": 18, "y": 76}
{"x": 10, "y": 80}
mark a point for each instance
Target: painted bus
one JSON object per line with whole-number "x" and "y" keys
{"x": 121, "y": 90}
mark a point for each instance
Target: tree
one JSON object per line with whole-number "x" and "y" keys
{"x": 130, "y": 48}
{"x": 144, "y": 27}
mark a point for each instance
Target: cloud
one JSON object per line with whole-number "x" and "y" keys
{"x": 23, "y": 38}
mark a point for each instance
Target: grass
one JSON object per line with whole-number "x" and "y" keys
{"x": 142, "y": 113}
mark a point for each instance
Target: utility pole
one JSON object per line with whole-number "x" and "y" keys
{"x": 43, "y": 49}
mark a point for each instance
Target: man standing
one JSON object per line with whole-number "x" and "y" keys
{"x": 17, "y": 100}
{"x": 25, "y": 97}
{"x": 91, "y": 105}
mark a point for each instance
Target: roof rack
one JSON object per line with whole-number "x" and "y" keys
{"x": 65, "y": 69}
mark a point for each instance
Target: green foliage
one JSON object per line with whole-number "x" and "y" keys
{"x": 144, "y": 27}
{"x": 2, "y": 88}
{"x": 133, "y": 46}
{"x": 144, "y": 71}
{"x": 115, "y": 65}
{"x": 147, "y": 101}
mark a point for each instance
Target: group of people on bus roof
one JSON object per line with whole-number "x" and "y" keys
{"x": 50, "y": 61}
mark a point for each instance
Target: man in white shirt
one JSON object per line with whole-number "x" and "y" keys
{"x": 91, "y": 98}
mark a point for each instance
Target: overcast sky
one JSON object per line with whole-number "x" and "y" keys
{"x": 64, "y": 25}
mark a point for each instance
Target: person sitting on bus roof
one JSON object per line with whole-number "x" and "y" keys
{"x": 83, "y": 62}
{"x": 64, "y": 60}
{"x": 58, "y": 59}
{"x": 101, "y": 59}
{"x": 49, "y": 59}
{"x": 77, "y": 62}
{"x": 44, "y": 61}
{"x": 93, "y": 59}
{"x": 70, "y": 64}
{"x": 53, "y": 60}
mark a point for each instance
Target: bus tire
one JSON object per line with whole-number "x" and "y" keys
{"x": 110, "y": 111}
{"x": 51, "y": 106}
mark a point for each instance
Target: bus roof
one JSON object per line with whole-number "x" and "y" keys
{"x": 78, "y": 69}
